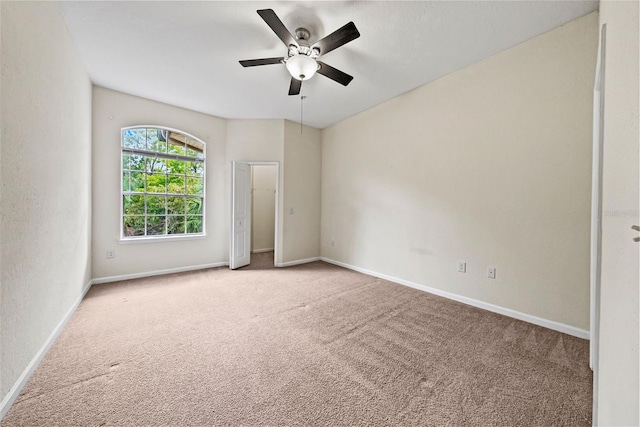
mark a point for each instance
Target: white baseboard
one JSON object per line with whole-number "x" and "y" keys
{"x": 297, "y": 262}
{"x": 14, "y": 391}
{"x": 550, "y": 324}
{"x": 258, "y": 251}
{"x": 157, "y": 272}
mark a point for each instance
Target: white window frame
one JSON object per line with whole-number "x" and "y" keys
{"x": 165, "y": 237}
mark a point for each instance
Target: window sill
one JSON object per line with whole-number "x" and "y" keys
{"x": 134, "y": 240}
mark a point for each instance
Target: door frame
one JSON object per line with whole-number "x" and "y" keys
{"x": 596, "y": 214}
{"x": 277, "y": 231}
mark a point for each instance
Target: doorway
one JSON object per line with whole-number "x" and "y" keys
{"x": 254, "y": 213}
{"x": 263, "y": 211}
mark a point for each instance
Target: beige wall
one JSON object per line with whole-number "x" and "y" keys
{"x": 115, "y": 110}
{"x": 255, "y": 140}
{"x": 302, "y": 183}
{"x": 299, "y": 157}
{"x": 617, "y": 372}
{"x": 227, "y": 140}
{"x": 258, "y": 141}
{"x": 46, "y": 182}
{"x": 263, "y": 205}
{"x": 489, "y": 165}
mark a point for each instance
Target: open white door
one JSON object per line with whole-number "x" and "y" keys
{"x": 240, "y": 247}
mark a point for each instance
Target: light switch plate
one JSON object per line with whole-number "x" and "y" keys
{"x": 462, "y": 267}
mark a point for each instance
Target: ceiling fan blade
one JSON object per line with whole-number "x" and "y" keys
{"x": 334, "y": 74}
{"x": 263, "y": 61}
{"x": 277, "y": 26}
{"x": 338, "y": 38}
{"x": 295, "y": 86}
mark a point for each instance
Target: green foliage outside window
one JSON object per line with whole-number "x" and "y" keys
{"x": 162, "y": 183}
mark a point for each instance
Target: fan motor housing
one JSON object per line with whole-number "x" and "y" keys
{"x": 303, "y": 34}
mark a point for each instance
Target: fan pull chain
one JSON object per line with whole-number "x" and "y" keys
{"x": 302, "y": 98}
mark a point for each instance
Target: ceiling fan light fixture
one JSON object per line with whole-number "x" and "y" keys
{"x": 302, "y": 67}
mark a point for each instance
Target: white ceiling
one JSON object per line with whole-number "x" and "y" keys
{"x": 187, "y": 53}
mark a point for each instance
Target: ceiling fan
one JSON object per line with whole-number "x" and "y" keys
{"x": 302, "y": 57}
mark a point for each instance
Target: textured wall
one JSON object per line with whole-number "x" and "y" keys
{"x": 46, "y": 181}
{"x": 257, "y": 141}
{"x": 299, "y": 157}
{"x": 618, "y": 376}
{"x": 302, "y": 182}
{"x": 490, "y": 165}
{"x": 111, "y": 112}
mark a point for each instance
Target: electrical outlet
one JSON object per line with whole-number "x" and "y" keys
{"x": 111, "y": 253}
{"x": 462, "y": 267}
{"x": 291, "y": 211}
{"x": 333, "y": 243}
{"x": 491, "y": 272}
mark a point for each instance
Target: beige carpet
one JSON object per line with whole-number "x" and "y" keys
{"x": 313, "y": 344}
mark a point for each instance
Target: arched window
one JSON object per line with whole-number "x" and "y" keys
{"x": 163, "y": 183}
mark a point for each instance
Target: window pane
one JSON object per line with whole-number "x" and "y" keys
{"x": 155, "y": 225}
{"x": 133, "y": 226}
{"x": 134, "y": 138}
{"x": 194, "y": 185}
{"x": 156, "y": 205}
{"x": 126, "y": 178}
{"x": 136, "y": 162}
{"x": 155, "y": 164}
{"x": 175, "y": 225}
{"x": 175, "y": 205}
{"x": 155, "y": 142}
{"x": 175, "y": 146}
{"x": 175, "y": 184}
{"x": 133, "y": 205}
{"x": 132, "y": 181}
{"x": 175, "y": 167}
{"x": 194, "y": 224}
{"x": 195, "y": 148}
{"x": 136, "y": 182}
{"x": 156, "y": 183}
{"x": 195, "y": 168}
{"x": 194, "y": 206}
{"x": 133, "y": 162}
{"x": 162, "y": 135}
